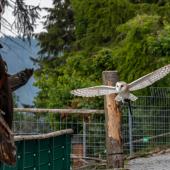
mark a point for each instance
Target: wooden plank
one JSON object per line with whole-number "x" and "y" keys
{"x": 113, "y": 118}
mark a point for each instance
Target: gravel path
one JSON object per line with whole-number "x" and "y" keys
{"x": 158, "y": 162}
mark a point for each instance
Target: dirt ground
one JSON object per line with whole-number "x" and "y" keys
{"x": 156, "y": 162}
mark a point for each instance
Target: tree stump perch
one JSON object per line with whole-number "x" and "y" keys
{"x": 113, "y": 118}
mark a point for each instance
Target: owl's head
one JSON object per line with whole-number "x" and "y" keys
{"x": 121, "y": 86}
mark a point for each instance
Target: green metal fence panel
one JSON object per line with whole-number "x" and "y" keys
{"x": 51, "y": 153}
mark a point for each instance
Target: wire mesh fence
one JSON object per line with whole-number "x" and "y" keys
{"x": 150, "y": 126}
{"x": 89, "y": 131}
{"x": 151, "y": 117}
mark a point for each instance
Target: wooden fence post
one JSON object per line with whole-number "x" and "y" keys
{"x": 113, "y": 117}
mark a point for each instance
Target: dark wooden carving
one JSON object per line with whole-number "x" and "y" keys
{"x": 19, "y": 79}
{"x": 7, "y": 145}
{"x": 8, "y": 84}
{"x": 6, "y": 103}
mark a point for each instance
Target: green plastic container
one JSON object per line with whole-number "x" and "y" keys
{"x": 43, "y": 152}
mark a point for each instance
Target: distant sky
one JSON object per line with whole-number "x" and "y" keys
{"x": 8, "y": 14}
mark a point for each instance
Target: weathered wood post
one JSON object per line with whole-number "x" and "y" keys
{"x": 113, "y": 124}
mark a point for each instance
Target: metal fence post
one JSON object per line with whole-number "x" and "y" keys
{"x": 84, "y": 138}
{"x": 113, "y": 125}
{"x": 130, "y": 129}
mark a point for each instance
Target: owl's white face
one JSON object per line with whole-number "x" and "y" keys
{"x": 121, "y": 86}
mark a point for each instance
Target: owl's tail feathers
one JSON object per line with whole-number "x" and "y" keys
{"x": 132, "y": 97}
{"x": 119, "y": 98}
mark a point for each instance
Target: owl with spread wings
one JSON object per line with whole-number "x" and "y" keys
{"x": 123, "y": 89}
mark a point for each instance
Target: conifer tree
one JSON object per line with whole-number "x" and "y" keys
{"x": 25, "y": 15}
{"x": 60, "y": 29}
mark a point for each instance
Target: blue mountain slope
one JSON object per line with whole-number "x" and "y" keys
{"x": 17, "y": 53}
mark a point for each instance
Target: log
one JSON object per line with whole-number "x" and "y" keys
{"x": 78, "y": 111}
{"x": 43, "y": 136}
{"x": 113, "y": 118}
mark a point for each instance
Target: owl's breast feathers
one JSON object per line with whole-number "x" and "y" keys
{"x": 125, "y": 94}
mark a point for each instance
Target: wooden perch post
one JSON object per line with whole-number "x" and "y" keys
{"x": 113, "y": 116}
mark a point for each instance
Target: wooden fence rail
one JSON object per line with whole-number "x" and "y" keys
{"x": 69, "y": 111}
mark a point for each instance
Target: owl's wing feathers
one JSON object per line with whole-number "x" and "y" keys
{"x": 94, "y": 91}
{"x": 150, "y": 78}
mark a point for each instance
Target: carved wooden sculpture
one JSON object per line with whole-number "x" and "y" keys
{"x": 7, "y": 85}
{"x": 19, "y": 79}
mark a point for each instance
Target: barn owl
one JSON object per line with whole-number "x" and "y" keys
{"x": 123, "y": 89}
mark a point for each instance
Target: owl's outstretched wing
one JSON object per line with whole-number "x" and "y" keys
{"x": 150, "y": 78}
{"x": 94, "y": 91}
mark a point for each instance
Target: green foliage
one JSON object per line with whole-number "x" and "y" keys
{"x": 57, "y": 83}
{"x": 102, "y": 35}
{"x": 143, "y": 47}
{"x": 159, "y": 2}
{"x": 96, "y": 21}
{"x": 159, "y": 45}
